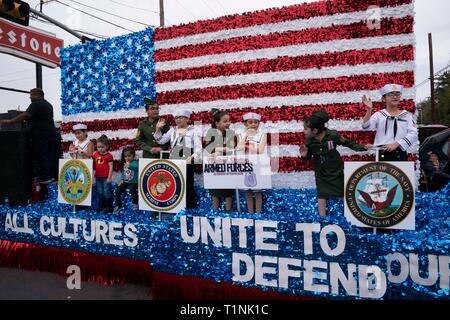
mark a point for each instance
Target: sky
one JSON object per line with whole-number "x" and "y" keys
{"x": 431, "y": 17}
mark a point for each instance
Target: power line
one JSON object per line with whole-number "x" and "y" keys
{"x": 91, "y": 15}
{"x": 15, "y": 72}
{"x": 32, "y": 77}
{"x": 428, "y": 79}
{"x": 138, "y": 8}
{"x": 221, "y": 7}
{"x": 112, "y": 14}
{"x": 79, "y": 30}
{"x": 195, "y": 17}
{"x": 210, "y": 9}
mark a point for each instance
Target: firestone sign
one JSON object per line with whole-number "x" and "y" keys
{"x": 30, "y": 43}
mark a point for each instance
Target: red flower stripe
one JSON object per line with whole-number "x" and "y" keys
{"x": 301, "y": 11}
{"x": 389, "y": 26}
{"x": 343, "y": 111}
{"x": 351, "y": 57}
{"x": 288, "y": 88}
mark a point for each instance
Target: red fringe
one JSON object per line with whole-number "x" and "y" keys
{"x": 168, "y": 286}
{"x": 103, "y": 269}
{"x": 108, "y": 270}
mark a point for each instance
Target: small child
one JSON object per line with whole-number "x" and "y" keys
{"x": 103, "y": 166}
{"x": 220, "y": 140}
{"x": 82, "y": 147}
{"x": 129, "y": 178}
{"x": 253, "y": 142}
{"x": 321, "y": 146}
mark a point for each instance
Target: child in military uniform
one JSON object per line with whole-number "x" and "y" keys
{"x": 321, "y": 146}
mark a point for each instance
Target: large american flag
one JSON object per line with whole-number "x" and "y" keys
{"x": 282, "y": 63}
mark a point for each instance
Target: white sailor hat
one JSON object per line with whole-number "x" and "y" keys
{"x": 183, "y": 113}
{"x": 79, "y": 126}
{"x": 391, "y": 88}
{"x": 252, "y": 115}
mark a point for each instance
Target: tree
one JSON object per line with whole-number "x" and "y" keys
{"x": 442, "y": 107}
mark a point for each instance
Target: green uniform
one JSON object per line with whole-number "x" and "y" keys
{"x": 328, "y": 164}
{"x": 146, "y": 141}
{"x": 215, "y": 139}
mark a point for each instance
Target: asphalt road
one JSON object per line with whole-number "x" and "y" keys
{"x": 17, "y": 284}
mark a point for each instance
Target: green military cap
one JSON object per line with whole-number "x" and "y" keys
{"x": 321, "y": 114}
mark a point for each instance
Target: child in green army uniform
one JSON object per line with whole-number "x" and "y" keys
{"x": 321, "y": 146}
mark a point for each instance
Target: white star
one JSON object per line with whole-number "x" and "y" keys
{"x": 96, "y": 88}
{"x": 138, "y": 78}
{"x": 75, "y": 85}
{"x": 76, "y": 99}
{"x": 105, "y": 54}
{"x": 113, "y": 45}
{"x": 129, "y": 58}
{"x": 68, "y": 79}
{"x": 121, "y": 66}
{"x": 96, "y": 103}
{"x": 81, "y": 50}
{"x": 138, "y": 64}
{"x": 145, "y": 84}
{"x": 113, "y": 87}
{"x": 67, "y": 54}
{"x": 129, "y": 85}
{"x": 146, "y": 38}
{"x": 82, "y": 90}
{"x": 97, "y": 47}
{"x": 129, "y": 72}
{"x": 129, "y": 42}
{"x": 121, "y": 80}
{"x": 137, "y": 92}
{"x": 146, "y": 70}
{"x": 81, "y": 76}
{"x": 83, "y": 104}
{"x": 70, "y": 106}
{"x": 89, "y": 97}
{"x": 146, "y": 56}
{"x": 121, "y": 51}
{"x": 97, "y": 63}
{"x": 89, "y": 56}
{"x": 82, "y": 65}
{"x": 74, "y": 72}
{"x": 89, "y": 70}
{"x": 89, "y": 84}
{"x": 128, "y": 100}
{"x": 96, "y": 75}
{"x": 105, "y": 82}
{"x": 104, "y": 96}
{"x": 105, "y": 68}
{"x": 69, "y": 92}
{"x": 113, "y": 102}
{"x": 121, "y": 94}
{"x": 138, "y": 47}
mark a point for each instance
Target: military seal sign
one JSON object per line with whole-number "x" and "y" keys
{"x": 379, "y": 194}
{"x": 75, "y": 181}
{"x": 161, "y": 184}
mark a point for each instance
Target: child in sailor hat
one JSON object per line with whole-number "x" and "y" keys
{"x": 82, "y": 147}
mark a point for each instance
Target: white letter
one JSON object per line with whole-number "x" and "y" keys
{"x": 1, "y": 32}
{"x": 260, "y": 235}
{"x": 130, "y": 231}
{"x": 34, "y": 44}
{"x": 236, "y": 267}
{"x": 76, "y": 223}
{"x": 308, "y": 229}
{"x": 92, "y": 233}
{"x": 284, "y": 271}
{"x": 47, "y": 47}
{"x": 404, "y": 267}
{"x": 444, "y": 271}
{"x": 377, "y": 288}
{"x": 57, "y": 51}
{"x": 74, "y": 280}
{"x": 41, "y": 226}
{"x": 260, "y": 270}
{"x": 337, "y": 275}
{"x": 242, "y": 223}
{"x": 206, "y": 230}
{"x": 23, "y": 37}
{"x": 340, "y": 246}
{"x": 100, "y": 232}
{"x": 432, "y": 270}
{"x": 310, "y": 275}
{"x": 115, "y": 229}
{"x": 195, "y": 230}
{"x": 226, "y": 232}
{"x": 12, "y": 37}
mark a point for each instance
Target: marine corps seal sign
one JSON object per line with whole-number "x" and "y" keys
{"x": 380, "y": 194}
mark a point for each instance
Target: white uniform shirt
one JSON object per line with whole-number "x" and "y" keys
{"x": 83, "y": 146}
{"x": 189, "y": 139}
{"x": 389, "y": 129}
{"x": 256, "y": 140}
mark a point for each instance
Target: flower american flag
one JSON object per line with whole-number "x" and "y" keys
{"x": 282, "y": 63}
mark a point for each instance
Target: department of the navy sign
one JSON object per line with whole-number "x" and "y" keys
{"x": 161, "y": 184}
{"x": 379, "y": 194}
{"x": 75, "y": 181}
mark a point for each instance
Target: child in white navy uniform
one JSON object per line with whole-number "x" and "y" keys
{"x": 253, "y": 141}
{"x": 396, "y": 131}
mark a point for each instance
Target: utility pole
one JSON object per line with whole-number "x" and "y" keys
{"x": 433, "y": 98}
{"x": 161, "y": 13}
{"x": 38, "y": 65}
